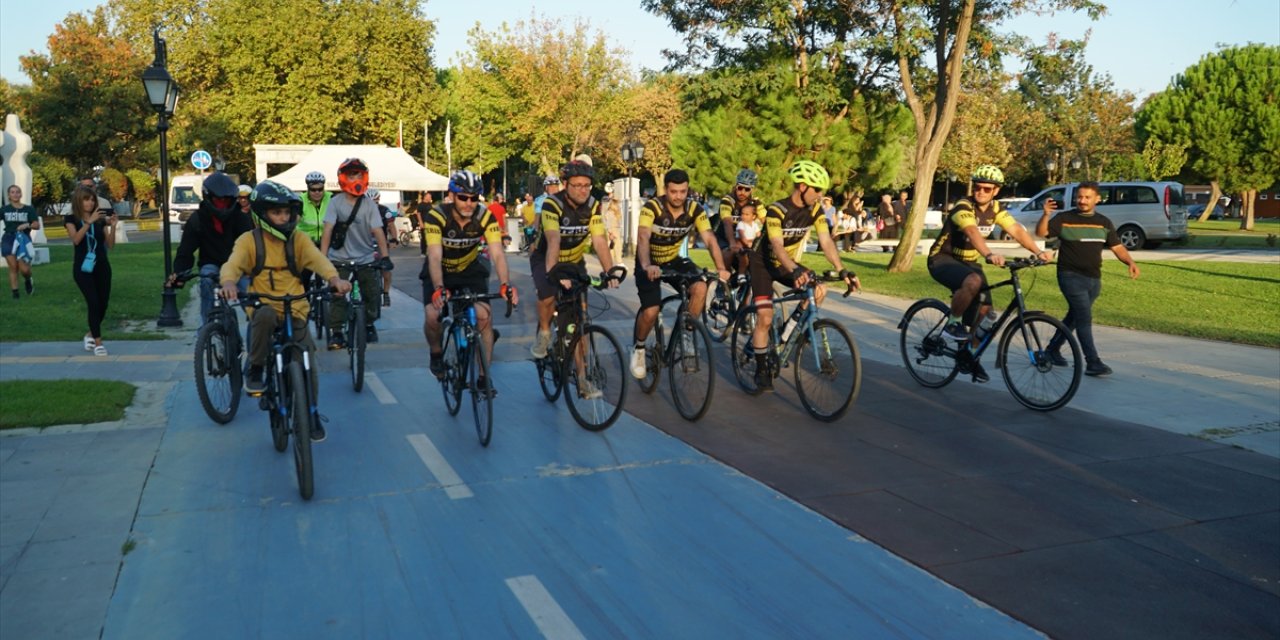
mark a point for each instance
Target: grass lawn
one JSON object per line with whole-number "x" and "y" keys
{"x": 1226, "y": 234}
{"x": 42, "y": 403}
{"x": 1229, "y": 301}
{"x": 57, "y": 311}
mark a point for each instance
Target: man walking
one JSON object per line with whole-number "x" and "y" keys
{"x": 1082, "y": 233}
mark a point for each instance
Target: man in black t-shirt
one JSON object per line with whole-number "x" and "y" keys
{"x": 1082, "y": 233}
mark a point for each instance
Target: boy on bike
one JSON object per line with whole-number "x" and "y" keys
{"x": 211, "y": 232}
{"x": 286, "y": 254}
{"x": 453, "y": 233}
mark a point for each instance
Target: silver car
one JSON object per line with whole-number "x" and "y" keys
{"x": 1145, "y": 214}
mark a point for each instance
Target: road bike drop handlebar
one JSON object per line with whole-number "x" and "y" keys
{"x": 468, "y": 297}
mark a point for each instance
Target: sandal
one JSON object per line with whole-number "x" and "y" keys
{"x": 89, "y": 343}
{"x": 100, "y": 350}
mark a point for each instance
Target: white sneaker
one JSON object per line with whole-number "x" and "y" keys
{"x": 588, "y": 391}
{"x": 637, "y": 364}
{"x": 541, "y": 344}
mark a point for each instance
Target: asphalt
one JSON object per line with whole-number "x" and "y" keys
{"x": 1149, "y": 507}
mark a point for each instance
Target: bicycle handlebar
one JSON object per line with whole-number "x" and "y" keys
{"x": 1014, "y": 264}
{"x": 471, "y": 298}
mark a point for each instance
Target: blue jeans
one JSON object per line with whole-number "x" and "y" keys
{"x": 1080, "y": 292}
{"x": 207, "y": 286}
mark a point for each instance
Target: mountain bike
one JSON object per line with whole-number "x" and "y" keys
{"x": 828, "y": 366}
{"x": 1022, "y": 355}
{"x": 355, "y": 326}
{"x": 288, "y": 399}
{"x": 465, "y": 365}
{"x": 687, "y": 351}
{"x": 218, "y": 360}
{"x": 585, "y": 361}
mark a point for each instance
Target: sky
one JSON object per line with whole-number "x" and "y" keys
{"x": 1140, "y": 44}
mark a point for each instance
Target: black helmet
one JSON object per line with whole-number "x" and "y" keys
{"x": 269, "y": 195}
{"x": 220, "y": 186}
{"x": 577, "y": 168}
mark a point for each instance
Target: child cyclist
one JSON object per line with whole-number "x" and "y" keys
{"x": 276, "y": 210}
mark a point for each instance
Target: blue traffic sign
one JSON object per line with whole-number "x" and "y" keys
{"x": 201, "y": 159}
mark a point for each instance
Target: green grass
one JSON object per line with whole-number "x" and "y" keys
{"x": 57, "y": 311}
{"x": 1227, "y": 234}
{"x": 42, "y": 403}
{"x": 1229, "y": 301}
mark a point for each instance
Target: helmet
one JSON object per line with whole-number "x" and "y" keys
{"x": 747, "y": 178}
{"x": 373, "y": 193}
{"x": 550, "y": 180}
{"x": 353, "y": 176}
{"x": 219, "y": 195}
{"x": 269, "y": 195}
{"x": 576, "y": 169}
{"x": 810, "y": 173}
{"x": 315, "y": 177}
{"x": 608, "y": 187}
{"x": 244, "y": 190}
{"x": 464, "y": 181}
{"x": 988, "y": 173}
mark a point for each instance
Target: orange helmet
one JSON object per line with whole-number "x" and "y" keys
{"x": 353, "y": 176}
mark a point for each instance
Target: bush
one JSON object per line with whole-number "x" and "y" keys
{"x": 144, "y": 187}
{"x": 116, "y": 183}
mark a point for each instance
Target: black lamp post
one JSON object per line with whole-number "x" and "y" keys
{"x": 162, "y": 93}
{"x": 632, "y": 152}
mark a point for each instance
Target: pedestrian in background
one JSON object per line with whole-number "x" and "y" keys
{"x": 19, "y": 220}
{"x": 92, "y": 231}
{"x": 886, "y": 228}
{"x": 612, "y": 215}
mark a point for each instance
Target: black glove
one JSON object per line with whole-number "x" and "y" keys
{"x": 386, "y": 264}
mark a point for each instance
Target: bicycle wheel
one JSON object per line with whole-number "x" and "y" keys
{"x": 692, "y": 374}
{"x": 718, "y": 316}
{"x": 741, "y": 354}
{"x": 653, "y": 347}
{"x": 550, "y": 377}
{"x": 356, "y": 343}
{"x": 218, "y": 374}
{"x": 828, "y": 370}
{"x": 320, "y": 320}
{"x": 270, "y": 401}
{"x": 596, "y": 392}
{"x": 1029, "y": 372}
{"x": 928, "y": 357}
{"x": 481, "y": 399}
{"x": 300, "y": 425}
{"x": 451, "y": 383}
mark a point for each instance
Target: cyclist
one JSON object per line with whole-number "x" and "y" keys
{"x": 665, "y": 222}
{"x": 454, "y": 233}
{"x": 352, "y": 233}
{"x": 276, "y": 210}
{"x": 953, "y": 258}
{"x": 212, "y": 232}
{"x": 787, "y": 224}
{"x": 731, "y": 208}
{"x": 550, "y": 187}
{"x": 242, "y": 199}
{"x": 569, "y": 220}
{"x": 311, "y": 222}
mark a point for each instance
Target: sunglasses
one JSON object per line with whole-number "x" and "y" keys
{"x": 461, "y": 197}
{"x": 985, "y": 188}
{"x": 743, "y": 188}
{"x": 316, "y": 189}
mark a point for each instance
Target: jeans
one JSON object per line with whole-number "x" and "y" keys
{"x": 1080, "y": 292}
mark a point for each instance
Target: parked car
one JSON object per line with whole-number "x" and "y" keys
{"x": 1196, "y": 210}
{"x": 1145, "y": 214}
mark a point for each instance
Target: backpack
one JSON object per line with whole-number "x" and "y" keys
{"x": 260, "y": 254}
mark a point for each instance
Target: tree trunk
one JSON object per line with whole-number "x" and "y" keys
{"x": 1249, "y": 197}
{"x": 1215, "y": 192}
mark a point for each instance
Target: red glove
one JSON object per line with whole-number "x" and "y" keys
{"x": 439, "y": 295}
{"x": 506, "y": 291}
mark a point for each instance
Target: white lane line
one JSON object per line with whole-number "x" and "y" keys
{"x": 439, "y": 467}
{"x": 380, "y": 391}
{"x": 546, "y": 613}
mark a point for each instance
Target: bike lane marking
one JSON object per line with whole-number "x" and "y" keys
{"x": 380, "y": 391}
{"x": 546, "y": 613}
{"x": 454, "y": 487}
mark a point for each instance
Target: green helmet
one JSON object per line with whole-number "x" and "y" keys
{"x": 988, "y": 173}
{"x": 270, "y": 195}
{"x": 810, "y": 173}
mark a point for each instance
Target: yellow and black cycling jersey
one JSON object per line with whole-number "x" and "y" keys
{"x": 783, "y": 219}
{"x": 577, "y": 225}
{"x": 964, "y": 214}
{"x": 460, "y": 242}
{"x": 731, "y": 212}
{"x": 667, "y": 231}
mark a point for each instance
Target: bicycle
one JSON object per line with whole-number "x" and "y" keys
{"x": 1029, "y": 372}
{"x": 687, "y": 354}
{"x": 464, "y": 361}
{"x": 828, "y": 365}
{"x": 584, "y": 355}
{"x": 287, "y": 398}
{"x": 355, "y": 325}
{"x": 219, "y": 369}
{"x": 318, "y": 315}
{"x": 725, "y": 302}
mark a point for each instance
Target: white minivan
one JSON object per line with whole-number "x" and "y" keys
{"x": 185, "y": 192}
{"x": 1144, "y": 213}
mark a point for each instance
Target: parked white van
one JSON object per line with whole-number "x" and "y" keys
{"x": 1144, "y": 213}
{"x": 185, "y": 192}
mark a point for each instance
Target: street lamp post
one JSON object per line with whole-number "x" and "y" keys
{"x": 632, "y": 152}
{"x": 162, "y": 93}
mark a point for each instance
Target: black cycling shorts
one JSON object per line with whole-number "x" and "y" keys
{"x": 475, "y": 278}
{"x": 651, "y": 290}
{"x": 951, "y": 273}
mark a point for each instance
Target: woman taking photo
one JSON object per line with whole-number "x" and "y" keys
{"x": 93, "y": 232}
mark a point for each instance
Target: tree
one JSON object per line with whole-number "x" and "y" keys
{"x": 1163, "y": 160}
{"x": 978, "y": 135}
{"x": 51, "y": 179}
{"x": 1226, "y": 110}
{"x": 143, "y": 185}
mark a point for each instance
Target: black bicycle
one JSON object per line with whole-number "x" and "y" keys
{"x": 287, "y": 398}
{"x": 357, "y": 340}
{"x": 686, "y": 353}
{"x": 584, "y": 356}
{"x": 318, "y": 315}
{"x": 218, "y": 356}
{"x": 828, "y": 366}
{"x": 725, "y": 302}
{"x": 1037, "y": 377}
{"x": 465, "y": 365}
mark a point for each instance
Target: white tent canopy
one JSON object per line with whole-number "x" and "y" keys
{"x": 390, "y": 169}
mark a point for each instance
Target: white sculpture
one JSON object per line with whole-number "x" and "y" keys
{"x": 15, "y": 146}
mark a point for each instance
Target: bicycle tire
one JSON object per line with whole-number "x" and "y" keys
{"x": 481, "y": 399}
{"x": 605, "y": 370}
{"x": 828, "y": 374}
{"x": 690, "y": 393}
{"x": 928, "y": 358}
{"x": 1028, "y": 373}
{"x": 300, "y": 426}
{"x": 654, "y": 345}
{"x": 217, "y": 371}
{"x": 356, "y": 343}
{"x": 451, "y": 382}
{"x": 271, "y": 402}
{"x": 742, "y": 355}
{"x": 320, "y": 318}
{"x": 718, "y": 317}
{"x": 550, "y": 377}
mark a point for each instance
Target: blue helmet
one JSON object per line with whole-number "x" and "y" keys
{"x": 464, "y": 181}
{"x": 747, "y": 178}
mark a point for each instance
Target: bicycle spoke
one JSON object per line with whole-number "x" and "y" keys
{"x": 928, "y": 357}
{"x": 828, "y": 370}
{"x": 1028, "y": 368}
{"x": 596, "y": 379}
